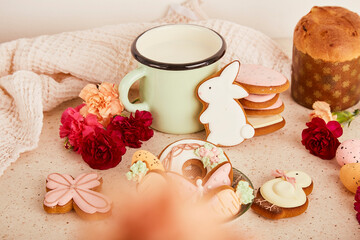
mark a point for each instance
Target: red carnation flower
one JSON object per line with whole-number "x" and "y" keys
{"x": 75, "y": 127}
{"x": 321, "y": 138}
{"x": 133, "y": 129}
{"x": 357, "y": 204}
{"x": 102, "y": 150}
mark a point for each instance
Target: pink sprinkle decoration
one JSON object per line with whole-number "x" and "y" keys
{"x": 212, "y": 154}
{"x": 281, "y": 173}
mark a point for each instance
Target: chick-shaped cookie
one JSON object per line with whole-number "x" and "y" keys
{"x": 142, "y": 162}
{"x": 285, "y": 196}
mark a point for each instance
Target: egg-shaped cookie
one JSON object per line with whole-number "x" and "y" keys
{"x": 151, "y": 161}
{"x": 350, "y": 176}
{"x": 348, "y": 152}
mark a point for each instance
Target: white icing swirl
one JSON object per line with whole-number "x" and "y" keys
{"x": 283, "y": 194}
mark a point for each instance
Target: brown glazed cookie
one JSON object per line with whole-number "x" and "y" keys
{"x": 292, "y": 206}
{"x": 276, "y": 108}
{"x": 263, "y": 101}
{"x": 258, "y": 79}
{"x": 270, "y": 129}
{"x": 253, "y": 89}
{"x": 266, "y": 209}
{"x": 271, "y": 211}
{"x": 266, "y": 124}
{"x": 151, "y": 161}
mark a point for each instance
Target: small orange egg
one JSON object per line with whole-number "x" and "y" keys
{"x": 350, "y": 176}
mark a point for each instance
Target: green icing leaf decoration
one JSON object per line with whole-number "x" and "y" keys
{"x": 245, "y": 192}
{"x": 208, "y": 157}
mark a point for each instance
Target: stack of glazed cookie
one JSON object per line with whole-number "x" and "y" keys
{"x": 263, "y": 105}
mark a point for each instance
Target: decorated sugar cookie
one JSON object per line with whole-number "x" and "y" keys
{"x": 276, "y": 108}
{"x": 225, "y": 203}
{"x": 192, "y": 158}
{"x": 199, "y": 172}
{"x": 65, "y": 193}
{"x": 223, "y": 116}
{"x": 285, "y": 196}
{"x": 221, "y": 175}
{"x": 244, "y": 192}
{"x": 258, "y": 79}
{"x": 187, "y": 188}
{"x": 266, "y": 124}
{"x": 142, "y": 162}
{"x": 153, "y": 182}
{"x": 151, "y": 161}
{"x": 259, "y": 101}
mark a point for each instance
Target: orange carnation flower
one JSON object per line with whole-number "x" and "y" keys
{"x": 322, "y": 110}
{"x": 102, "y": 101}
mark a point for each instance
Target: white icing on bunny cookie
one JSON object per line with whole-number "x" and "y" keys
{"x": 224, "y": 115}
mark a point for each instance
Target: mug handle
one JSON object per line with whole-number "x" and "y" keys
{"x": 124, "y": 88}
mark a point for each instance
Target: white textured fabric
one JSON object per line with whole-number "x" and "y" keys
{"x": 38, "y": 74}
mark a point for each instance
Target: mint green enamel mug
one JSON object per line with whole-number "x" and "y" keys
{"x": 173, "y": 59}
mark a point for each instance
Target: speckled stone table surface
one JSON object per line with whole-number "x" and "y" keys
{"x": 330, "y": 214}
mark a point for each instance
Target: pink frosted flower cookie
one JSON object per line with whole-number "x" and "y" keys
{"x": 65, "y": 193}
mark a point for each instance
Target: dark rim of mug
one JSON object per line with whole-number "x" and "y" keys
{"x": 178, "y": 66}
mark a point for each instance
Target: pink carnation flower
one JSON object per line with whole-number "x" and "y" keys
{"x": 75, "y": 127}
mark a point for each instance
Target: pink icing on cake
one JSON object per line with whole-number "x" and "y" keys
{"x": 260, "y": 98}
{"x": 258, "y": 75}
{"x": 348, "y": 152}
{"x": 277, "y": 104}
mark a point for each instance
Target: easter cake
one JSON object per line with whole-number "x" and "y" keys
{"x": 326, "y": 58}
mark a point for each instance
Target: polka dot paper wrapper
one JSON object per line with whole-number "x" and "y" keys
{"x": 337, "y": 83}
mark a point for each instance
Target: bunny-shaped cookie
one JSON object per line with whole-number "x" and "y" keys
{"x": 223, "y": 116}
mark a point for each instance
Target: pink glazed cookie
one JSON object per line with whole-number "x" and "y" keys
{"x": 259, "y": 101}
{"x": 277, "y": 108}
{"x": 348, "y": 152}
{"x": 258, "y": 79}
{"x": 65, "y": 193}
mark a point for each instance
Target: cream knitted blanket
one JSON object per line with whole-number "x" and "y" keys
{"x": 38, "y": 74}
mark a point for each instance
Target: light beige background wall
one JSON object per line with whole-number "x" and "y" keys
{"x": 28, "y": 18}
